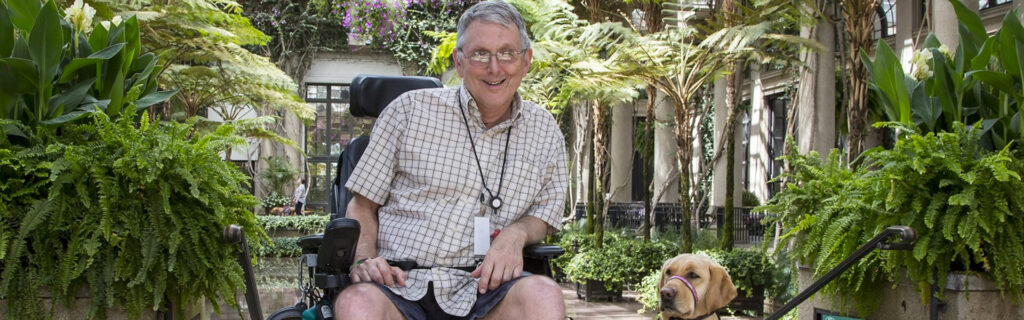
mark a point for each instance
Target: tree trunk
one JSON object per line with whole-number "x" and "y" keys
{"x": 652, "y": 94}
{"x": 684, "y": 143}
{"x": 600, "y": 170}
{"x": 858, "y": 16}
{"x": 732, "y": 83}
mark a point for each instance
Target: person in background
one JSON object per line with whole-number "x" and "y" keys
{"x": 299, "y": 198}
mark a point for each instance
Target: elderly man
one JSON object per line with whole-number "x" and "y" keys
{"x": 459, "y": 180}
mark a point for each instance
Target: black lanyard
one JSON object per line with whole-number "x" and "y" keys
{"x": 494, "y": 201}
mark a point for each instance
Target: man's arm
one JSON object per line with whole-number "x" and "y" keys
{"x": 504, "y": 261}
{"x": 370, "y": 267}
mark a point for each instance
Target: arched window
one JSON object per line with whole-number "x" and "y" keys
{"x": 885, "y": 19}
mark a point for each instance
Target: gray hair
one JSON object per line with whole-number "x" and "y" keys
{"x": 495, "y": 11}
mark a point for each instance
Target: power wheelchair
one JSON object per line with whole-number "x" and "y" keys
{"x": 326, "y": 257}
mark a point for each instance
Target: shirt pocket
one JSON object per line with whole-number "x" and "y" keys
{"x": 524, "y": 184}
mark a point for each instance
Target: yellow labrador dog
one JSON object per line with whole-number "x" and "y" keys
{"x": 693, "y": 287}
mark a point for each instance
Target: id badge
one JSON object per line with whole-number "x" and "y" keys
{"x": 481, "y": 236}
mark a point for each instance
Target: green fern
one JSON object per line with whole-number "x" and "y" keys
{"x": 961, "y": 201}
{"x": 134, "y": 211}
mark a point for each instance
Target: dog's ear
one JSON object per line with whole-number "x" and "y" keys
{"x": 720, "y": 288}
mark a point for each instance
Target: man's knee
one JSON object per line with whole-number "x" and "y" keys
{"x": 361, "y": 299}
{"x": 539, "y": 291}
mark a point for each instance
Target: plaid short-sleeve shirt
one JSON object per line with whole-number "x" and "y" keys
{"x": 420, "y": 168}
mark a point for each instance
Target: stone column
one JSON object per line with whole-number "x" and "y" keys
{"x": 943, "y": 21}
{"x": 665, "y": 170}
{"x": 721, "y": 114}
{"x": 908, "y": 19}
{"x": 621, "y": 153}
{"x": 582, "y": 145}
{"x": 760, "y": 134}
{"x": 816, "y": 103}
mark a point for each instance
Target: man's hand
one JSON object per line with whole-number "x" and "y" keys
{"x": 503, "y": 262}
{"x": 377, "y": 270}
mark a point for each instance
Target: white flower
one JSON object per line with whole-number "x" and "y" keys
{"x": 921, "y": 65}
{"x": 944, "y": 49}
{"x": 112, "y": 23}
{"x": 80, "y": 15}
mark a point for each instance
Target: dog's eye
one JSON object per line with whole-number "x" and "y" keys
{"x": 668, "y": 272}
{"x": 692, "y": 275}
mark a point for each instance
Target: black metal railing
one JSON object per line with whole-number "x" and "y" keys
{"x": 748, "y": 226}
{"x": 905, "y": 240}
{"x": 234, "y": 234}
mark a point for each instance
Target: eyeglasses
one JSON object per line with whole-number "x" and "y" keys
{"x": 504, "y": 57}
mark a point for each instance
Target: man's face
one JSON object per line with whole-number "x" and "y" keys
{"x": 494, "y": 83}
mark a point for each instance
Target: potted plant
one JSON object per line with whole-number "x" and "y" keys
{"x": 954, "y": 176}
{"x": 752, "y": 273}
{"x": 621, "y": 261}
{"x": 96, "y": 199}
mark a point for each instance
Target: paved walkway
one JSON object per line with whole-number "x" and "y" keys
{"x": 577, "y": 309}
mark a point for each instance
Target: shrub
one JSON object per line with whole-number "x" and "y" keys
{"x": 308, "y": 224}
{"x": 280, "y": 247}
{"x": 274, "y": 199}
{"x": 623, "y": 260}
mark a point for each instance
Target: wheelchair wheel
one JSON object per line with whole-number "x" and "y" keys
{"x": 289, "y": 313}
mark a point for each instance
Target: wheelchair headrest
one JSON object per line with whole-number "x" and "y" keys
{"x": 371, "y": 93}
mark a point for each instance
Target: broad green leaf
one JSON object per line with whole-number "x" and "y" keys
{"x": 23, "y": 12}
{"x": 98, "y": 38}
{"x": 92, "y": 103}
{"x": 45, "y": 43}
{"x": 968, "y": 47}
{"x": 116, "y": 93}
{"x": 67, "y": 117}
{"x": 1012, "y": 25}
{"x": 1006, "y": 50}
{"x": 7, "y": 33}
{"x": 969, "y": 19}
{"x": 984, "y": 56}
{"x": 91, "y": 60}
{"x": 925, "y": 112}
{"x": 131, "y": 36}
{"x": 116, "y": 34}
{"x": 999, "y": 80}
{"x": 931, "y": 41}
{"x": 24, "y": 70}
{"x": 72, "y": 97}
{"x": 154, "y": 98}
{"x": 13, "y": 130}
{"x": 891, "y": 81}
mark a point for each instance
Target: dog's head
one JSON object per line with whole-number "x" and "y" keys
{"x": 707, "y": 287}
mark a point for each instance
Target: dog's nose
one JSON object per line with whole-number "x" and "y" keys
{"x": 667, "y": 293}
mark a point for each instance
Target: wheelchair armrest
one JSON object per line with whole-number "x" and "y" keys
{"x": 311, "y": 244}
{"x": 542, "y": 251}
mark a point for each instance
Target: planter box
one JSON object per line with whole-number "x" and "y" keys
{"x": 978, "y": 300}
{"x": 79, "y": 308}
{"x": 595, "y": 290}
{"x": 753, "y": 302}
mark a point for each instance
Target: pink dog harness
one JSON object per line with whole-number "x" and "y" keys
{"x": 688, "y": 285}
